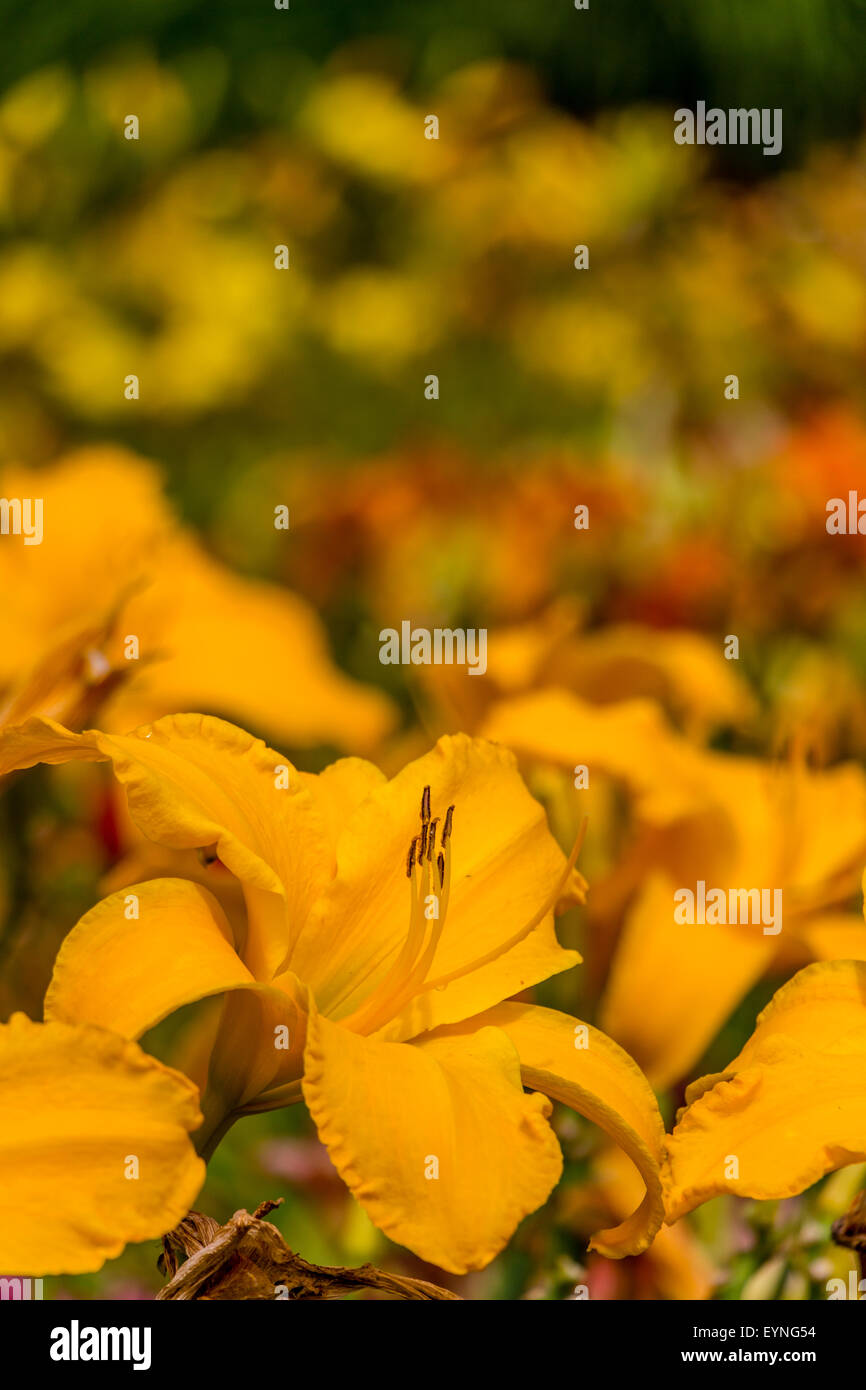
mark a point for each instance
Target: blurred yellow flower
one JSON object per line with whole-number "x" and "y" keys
{"x": 732, "y": 822}
{"x": 121, "y": 608}
{"x": 361, "y": 120}
{"x": 684, "y": 672}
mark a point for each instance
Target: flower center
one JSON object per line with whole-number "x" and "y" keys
{"x": 428, "y": 870}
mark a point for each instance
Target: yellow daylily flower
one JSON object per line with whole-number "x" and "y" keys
{"x": 684, "y": 672}
{"x": 386, "y": 922}
{"x": 733, "y": 822}
{"x": 784, "y": 828}
{"x": 95, "y": 1148}
{"x": 119, "y": 609}
{"x": 789, "y": 1108}
{"x": 629, "y": 740}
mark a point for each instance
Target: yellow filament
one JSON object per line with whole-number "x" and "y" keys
{"x": 378, "y": 1007}
{"x": 419, "y": 971}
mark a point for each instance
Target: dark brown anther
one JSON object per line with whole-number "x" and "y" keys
{"x": 440, "y": 864}
{"x": 446, "y": 829}
{"x": 425, "y": 806}
{"x": 431, "y": 839}
{"x": 410, "y": 857}
{"x": 422, "y": 842}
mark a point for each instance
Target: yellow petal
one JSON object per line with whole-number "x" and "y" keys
{"x": 40, "y": 740}
{"x": 834, "y": 936}
{"x": 192, "y": 781}
{"x": 790, "y": 1108}
{"x": 684, "y": 671}
{"x": 672, "y": 965}
{"x": 105, "y": 522}
{"x": 751, "y": 821}
{"x": 128, "y": 973}
{"x": 574, "y": 1063}
{"x": 801, "y": 830}
{"x": 506, "y": 865}
{"x": 826, "y": 826}
{"x": 630, "y": 741}
{"x": 209, "y": 639}
{"x": 529, "y": 963}
{"x": 244, "y": 648}
{"x": 79, "y": 1105}
{"x": 339, "y": 790}
{"x": 680, "y": 1267}
{"x": 437, "y": 1140}
{"x": 519, "y": 654}
{"x": 823, "y": 1008}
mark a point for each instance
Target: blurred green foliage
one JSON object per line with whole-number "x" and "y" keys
{"x": 805, "y": 55}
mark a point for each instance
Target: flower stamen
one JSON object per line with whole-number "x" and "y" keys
{"x": 521, "y": 935}
{"x": 426, "y": 906}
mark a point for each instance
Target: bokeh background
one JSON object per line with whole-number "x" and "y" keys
{"x": 557, "y": 387}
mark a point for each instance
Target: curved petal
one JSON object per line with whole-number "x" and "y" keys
{"x": 193, "y": 781}
{"x": 676, "y": 1265}
{"x": 437, "y": 1140}
{"x": 40, "y": 740}
{"x": 789, "y": 826}
{"x": 785, "y": 1123}
{"x": 128, "y": 973}
{"x": 506, "y": 866}
{"x": 675, "y": 965}
{"x": 78, "y": 1105}
{"x": 631, "y": 741}
{"x": 823, "y": 1008}
{"x": 574, "y": 1063}
{"x": 790, "y": 1108}
{"x": 246, "y": 648}
{"x": 796, "y": 828}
